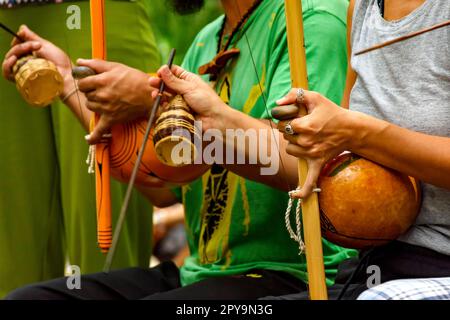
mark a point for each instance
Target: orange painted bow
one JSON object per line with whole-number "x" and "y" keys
{"x": 102, "y": 164}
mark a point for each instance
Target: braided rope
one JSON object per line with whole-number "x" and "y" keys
{"x": 296, "y": 236}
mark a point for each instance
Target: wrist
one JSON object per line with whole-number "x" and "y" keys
{"x": 218, "y": 118}
{"x": 147, "y": 92}
{"x": 69, "y": 84}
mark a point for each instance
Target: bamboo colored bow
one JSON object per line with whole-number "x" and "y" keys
{"x": 310, "y": 205}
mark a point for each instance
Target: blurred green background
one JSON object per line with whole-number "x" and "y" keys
{"x": 173, "y": 30}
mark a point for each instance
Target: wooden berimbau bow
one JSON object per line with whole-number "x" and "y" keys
{"x": 106, "y": 241}
{"x": 310, "y": 205}
{"x": 102, "y": 162}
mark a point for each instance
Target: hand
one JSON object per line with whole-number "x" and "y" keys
{"x": 202, "y": 99}
{"x": 40, "y": 47}
{"x": 118, "y": 93}
{"x": 319, "y": 136}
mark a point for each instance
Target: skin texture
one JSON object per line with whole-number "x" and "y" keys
{"x": 104, "y": 92}
{"x": 328, "y": 130}
{"x": 120, "y": 93}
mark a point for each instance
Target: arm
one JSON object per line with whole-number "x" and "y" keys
{"x": 44, "y": 49}
{"x": 119, "y": 93}
{"x": 331, "y": 132}
{"x": 328, "y": 130}
{"x": 222, "y": 117}
{"x": 416, "y": 154}
{"x": 215, "y": 114}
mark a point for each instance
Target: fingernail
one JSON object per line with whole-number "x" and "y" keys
{"x": 87, "y": 137}
{"x": 80, "y": 61}
{"x": 107, "y": 135}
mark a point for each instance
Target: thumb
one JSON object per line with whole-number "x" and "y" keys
{"x": 103, "y": 127}
{"x": 172, "y": 82}
{"x": 314, "y": 169}
{"x": 99, "y": 66}
{"x": 27, "y": 34}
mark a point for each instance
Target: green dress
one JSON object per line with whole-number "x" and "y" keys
{"x": 234, "y": 224}
{"x": 47, "y": 198}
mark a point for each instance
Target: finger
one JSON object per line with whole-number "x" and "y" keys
{"x": 172, "y": 82}
{"x": 7, "y": 67}
{"x": 309, "y": 97}
{"x": 99, "y": 66}
{"x": 285, "y": 112}
{"x": 23, "y": 49}
{"x": 299, "y": 125}
{"x": 165, "y": 97}
{"x": 181, "y": 73}
{"x": 95, "y": 106}
{"x": 92, "y": 83}
{"x": 96, "y": 96}
{"x": 102, "y": 127}
{"x": 155, "y": 82}
{"x": 296, "y": 126}
{"x": 292, "y": 139}
{"x": 314, "y": 168}
{"x": 281, "y": 126}
{"x": 289, "y": 98}
{"x": 27, "y": 34}
{"x": 296, "y": 151}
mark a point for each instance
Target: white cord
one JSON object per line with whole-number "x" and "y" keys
{"x": 287, "y": 219}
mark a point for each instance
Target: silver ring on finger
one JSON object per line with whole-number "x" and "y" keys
{"x": 300, "y": 95}
{"x": 288, "y": 129}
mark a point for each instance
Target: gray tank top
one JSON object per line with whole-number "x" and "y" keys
{"x": 408, "y": 84}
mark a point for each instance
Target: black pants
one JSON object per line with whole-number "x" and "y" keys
{"x": 163, "y": 283}
{"x": 396, "y": 260}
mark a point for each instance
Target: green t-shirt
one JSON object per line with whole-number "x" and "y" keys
{"x": 235, "y": 225}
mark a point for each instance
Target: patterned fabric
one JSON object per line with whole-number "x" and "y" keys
{"x": 233, "y": 224}
{"x": 410, "y": 289}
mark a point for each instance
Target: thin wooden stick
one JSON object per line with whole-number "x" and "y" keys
{"x": 310, "y": 205}
{"x": 403, "y": 38}
{"x": 4, "y": 27}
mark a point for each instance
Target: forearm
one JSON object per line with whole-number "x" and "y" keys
{"x": 260, "y": 149}
{"x": 419, "y": 155}
{"x": 76, "y": 101}
{"x": 169, "y": 216}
